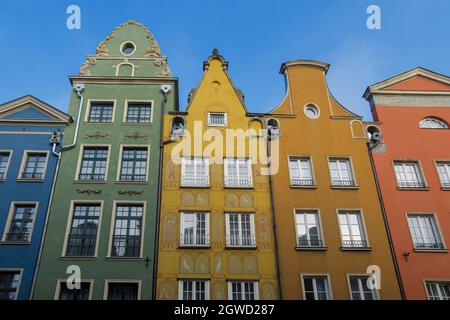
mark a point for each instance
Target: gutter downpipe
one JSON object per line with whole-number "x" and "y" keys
{"x": 388, "y": 231}
{"x": 165, "y": 90}
{"x": 78, "y": 88}
{"x": 274, "y": 222}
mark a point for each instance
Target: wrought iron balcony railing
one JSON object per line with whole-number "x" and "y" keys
{"x": 429, "y": 245}
{"x": 241, "y": 241}
{"x": 31, "y": 176}
{"x": 132, "y": 177}
{"x": 238, "y": 182}
{"x": 411, "y": 184}
{"x": 92, "y": 177}
{"x": 302, "y": 182}
{"x": 188, "y": 240}
{"x": 18, "y": 236}
{"x": 355, "y": 244}
{"x": 199, "y": 181}
{"x": 343, "y": 183}
{"x": 303, "y": 243}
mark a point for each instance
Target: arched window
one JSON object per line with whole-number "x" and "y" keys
{"x": 177, "y": 129}
{"x": 273, "y": 128}
{"x": 433, "y": 123}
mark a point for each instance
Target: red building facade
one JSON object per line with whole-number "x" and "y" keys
{"x": 410, "y": 142}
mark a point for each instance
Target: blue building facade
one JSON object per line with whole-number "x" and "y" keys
{"x": 27, "y": 172}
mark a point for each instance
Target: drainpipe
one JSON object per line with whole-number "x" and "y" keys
{"x": 383, "y": 211}
{"x": 274, "y": 222}
{"x": 79, "y": 87}
{"x": 165, "y": 89}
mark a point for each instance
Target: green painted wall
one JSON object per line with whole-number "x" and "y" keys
{"x": 99, "y": 76}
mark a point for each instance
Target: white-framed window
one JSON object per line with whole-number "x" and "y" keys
{"x": 194, "y": 229}
{"x": 240, "y": 229}
{"x": 409, "y": 174}
{"x": 123, "y": 290}
{"x": 101, "y": 112}
{"x": 308, "y": 229}
{"x": 20, "y": 222}
{"x": 34, "y": 165}
{"x": 93, "y": 163}
{"x": 83, "y": 293}
{"x": 133, "y": 165}
{"x": 424, "y": 231}
{"x": 438, "y": 290}
{"x": 238, "y": 173}
{"x": 351, "y": 225}
{"x": 316, "y": 287}
{"x": 5, "y": 157}
{"x": 341, "y": 172}
{"x": 9, "y": 284}
{"x": 193, "y": 289}
{"x": 300, "y": 170}
{"x": 139, "y": 112}
{"x": 443, "y": 168}
{"x": 194, "y": 172}
{"x": 432, "y": 123}
{"x": 243, "y": 290}
{"x": 127, "y": 232}
{"x": 217, "y": 119}
{"x": 360, "y": 290}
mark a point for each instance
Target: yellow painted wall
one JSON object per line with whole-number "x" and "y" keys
{"x": 217, "y": 263}
{"x": 329, "y": 135}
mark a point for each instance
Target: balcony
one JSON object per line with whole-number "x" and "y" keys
{"x": 240, "y": 242}
{"x": 302, "y": 182}
{"x": 238, "y": 182}
{"x": 195, "y": 182}
{"x": 343, "y": 183}
{"x": 355, "y": 244}
{"x": 189, "y": 240}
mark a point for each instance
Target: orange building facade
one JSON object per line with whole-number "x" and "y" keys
{"x": 412, "y": 159}
{"x": 330, "y": 227}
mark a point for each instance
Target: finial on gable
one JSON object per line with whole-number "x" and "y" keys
{"x": 215, "y": 56}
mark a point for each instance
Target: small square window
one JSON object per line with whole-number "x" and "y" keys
{"x": 123, "y": 291}
{"x": 409, "y": 174}
{"x": 217, "y": 119}
{"x": 424, "y": 231}
{"x": 139, "y": 112}
{"x": 74, "y": 294}
{"x": 101, "y": 112}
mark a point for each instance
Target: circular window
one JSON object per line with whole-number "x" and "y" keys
{"x": 127, "y": 48}
{"x": 311, "y": 111}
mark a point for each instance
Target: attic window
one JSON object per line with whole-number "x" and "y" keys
{"x": 217, "y": 119}
{"x": 127, "y": 48}
{"x": 311, "y": 111}
{"x": 432, "y": 123}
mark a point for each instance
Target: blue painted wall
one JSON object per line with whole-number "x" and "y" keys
{"x": 24, "y": 256}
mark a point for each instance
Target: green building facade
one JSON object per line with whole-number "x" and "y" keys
{"x": 103, "y": 217}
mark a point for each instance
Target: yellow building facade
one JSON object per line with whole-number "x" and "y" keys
{"x": 216, "y": 238}
{"x": 331, "y": 229}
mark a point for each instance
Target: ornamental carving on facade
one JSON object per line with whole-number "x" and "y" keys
{"x": 129, "y": 193}
{"x": 88, "y": 191}
{"x": 97, "y": 135}
{"x": 136, "y": 136}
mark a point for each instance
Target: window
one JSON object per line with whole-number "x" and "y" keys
{"x": 243, "y": 290}
{"x": 194, "y": 229}
{"x": 82, "y": 237}
{"x": 34, "y": 166}
{"x": 360, "y": 290}
{"x": 134, "y": 164}
{"x": 443, "y": 169}
{"x": 438, "y": 290}
{"x": 4, "y": 162}
{"x": 101, "y": 112}
{"x": 409, "y": 174}
{"x": 424, "y": 231}
{"x": 352, "y": 230}
{"x": 139, "y": 112}
{"x": 238, "y": 173}
{"x": 127, "y": 48}
{"x": 194, "y": 172}
{"x": 93, "y": 163}
{"x": 123, "y": 291}
{"x": 240, "y": 229}
{"x": 9, "y": 284}
{"x": 341, "y": 172}
{"x": 127, "y": 231}
{"x": 193, "y": 290}
{"x": 308, "y": 229}
{"x": 311, "y": 111}
{"x": 22, "y": 222}
{"x": 316, "y": 288}
{"x": 74, "y": 294}
{"x": 218, "y": 119}
{"x": 433, "y": 123}
{"x": 301, "y": 171}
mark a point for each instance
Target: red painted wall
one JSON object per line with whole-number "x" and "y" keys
{"x": 405, "y": 140}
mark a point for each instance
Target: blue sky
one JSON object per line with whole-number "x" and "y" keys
{"x": 39, "y": 52}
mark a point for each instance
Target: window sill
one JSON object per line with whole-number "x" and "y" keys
{"x": 77, "y": 258}
{"x": 195, "y": 187}
{"x": 110, "y": 258}
{"x": 194, "y": 246}
{"x": 312, "y": 186}
{"x": 311, "y": 248}
{"x": 430, "y": 250}
{"x": 30, "y": 180}
{"x": 356, "y": 249}
{"x": 89, "y": 122}
{"x": 90, "y": 182}
{"x": 228, "y": 247}
{"x": 345, "y": 187}
{"x": 13, "y": 243}
{"x": 131, "y": 182}
{"x": 243, "y": 188}
{"x": 442, "y": 188}
{"x": 137, "y": 123}
{"x": 413, "y": 189}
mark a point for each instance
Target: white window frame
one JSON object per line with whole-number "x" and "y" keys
{"x": 314, "y": 277}
{"x": 60, "y": 282}
{"x": 93, "y": 101}
{"x": 125, "y": 114}
{"x": 364, "y": 237}
{"x": 351, "y": 181}
{"x": 119, "y": 165}
{"x": 124, "y": 281}
{"x": 375, "y": 292}
{"x": 437, "y": 284}
{"x": 10, "y": 154}
{"x": 240, "y": 233}
{"x": 418, "y": 172}
{"x": 182, "y": 229}
{"x": 181, "y": 283}
{"x": 435, "y": 123}
{"x": 242, "y": 283}
{"x": 198, "y": 180}
{"x": 25, "y": 157}
{"x": 225, "y": 119}
{"x": 298, "y": 160}
{"x": 240, "y": 182}
{"x": 300, "y": 211}
{"x": 435, "y": 228}
{"x": 445, "y": 183}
